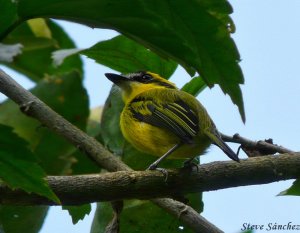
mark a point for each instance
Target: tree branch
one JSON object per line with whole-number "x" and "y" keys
{"x": 264, "y": 147}
{"x": 77, "y": 190}
{"x": 35, "y": 108}
{"x": 189, "y": 214}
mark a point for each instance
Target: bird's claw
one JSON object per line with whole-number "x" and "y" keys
{"x": 164, "y": 172}
{"x": 189, "y": 164}
{"x": 154, "y": 167}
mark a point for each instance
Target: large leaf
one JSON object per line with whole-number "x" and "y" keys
{"x": 123, "y": 55}
{"x": 195, "y": 34}
{"x": 39, "y": 39}
{"x": 14, "y": 219}
{"x": 141, "y": 216}
{"x": 126, "y": 56}
{"x": 18, "y": 166}
{"x": 66, "y": 95}
{"x": 8, "y": 16}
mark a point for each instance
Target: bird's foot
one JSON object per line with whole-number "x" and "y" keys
{"x": 190, "y": 164}
{"x": 153, "y": 167}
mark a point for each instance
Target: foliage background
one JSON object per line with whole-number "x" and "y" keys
{"x": 268, "y": 40}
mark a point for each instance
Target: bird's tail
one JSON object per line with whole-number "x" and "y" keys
{"x": 218, "y": 141}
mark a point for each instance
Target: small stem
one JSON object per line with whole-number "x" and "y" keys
{"x": 258, "y": 145}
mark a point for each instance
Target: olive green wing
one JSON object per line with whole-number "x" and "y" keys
{"x": 177, "y": 117}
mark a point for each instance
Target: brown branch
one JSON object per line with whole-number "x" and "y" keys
{"x": 263, "y": 146}
{"x": 190, "y": 215}
{"x": 32, "y": 106}
{"x": 76, "y": 190}
{"x": 35, "y": 108}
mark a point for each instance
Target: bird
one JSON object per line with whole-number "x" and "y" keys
{"x": 162, "y": 120}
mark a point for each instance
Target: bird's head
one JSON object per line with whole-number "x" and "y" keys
{"x": 135, "y": 83}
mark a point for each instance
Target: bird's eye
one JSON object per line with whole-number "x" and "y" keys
{"x": 146, "y": 77}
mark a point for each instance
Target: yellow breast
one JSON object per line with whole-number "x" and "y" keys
{"x": 157, "y": 141}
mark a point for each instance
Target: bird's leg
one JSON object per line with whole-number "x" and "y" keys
{"x": 153, "y": 166}
{"x": 190, "y": 163}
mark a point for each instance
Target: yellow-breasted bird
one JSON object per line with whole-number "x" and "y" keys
{"x": 161, "y": 120}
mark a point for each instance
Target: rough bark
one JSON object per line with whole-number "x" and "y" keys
{"x": 76, "y": 190}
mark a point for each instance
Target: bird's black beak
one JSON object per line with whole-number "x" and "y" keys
{"x": 116, "y": 78}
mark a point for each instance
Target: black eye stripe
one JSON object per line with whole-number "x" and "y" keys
{"x": 146, "y": 78}
{"x": 143, "y": 78}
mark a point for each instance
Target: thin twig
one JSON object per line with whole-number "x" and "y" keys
{"x": 35, "y": 108}
{"x": 265, "y": 147}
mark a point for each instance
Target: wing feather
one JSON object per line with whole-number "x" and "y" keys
{"x": 177, "y": 117}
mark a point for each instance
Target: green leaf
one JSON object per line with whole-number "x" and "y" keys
{"x": 293, "y": 190}
{"x": 82, "y": 164}
{"x": 39, "y": 39}
{"x": 67, "y": 96}
{"x": 141, "y": 216}
{"x": 8, "y": 16}
{"x": 195, "y": 86}
{"x": 111, "y": 135}
{"x": 78, "y": 212}
{"x": 18, "y": 166}
{"x": 14, "y": 219}
{"x": 35, "y": 62}
{"x": 195, "y": 35}
{"x": 127, "y": 56}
